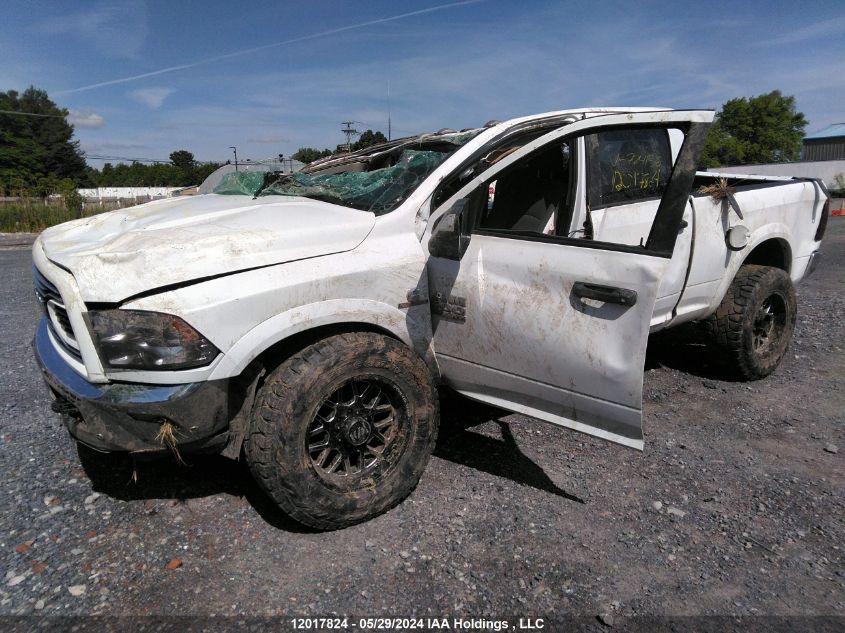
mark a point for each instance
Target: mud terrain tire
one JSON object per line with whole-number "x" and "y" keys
{"x": 342, "y": 430}
{"x": 753, "y": 325}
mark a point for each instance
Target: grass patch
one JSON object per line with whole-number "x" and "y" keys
{"x": 166, "y": 435}
{"x": 719, "y": 189}
{"x": 31, "y": 216}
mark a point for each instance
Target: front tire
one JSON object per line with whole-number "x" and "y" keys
{"x": 343, "y": 430}
{"x": 754, "y": 323}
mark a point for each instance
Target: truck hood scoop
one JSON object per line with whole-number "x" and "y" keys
{"x": 120, "y": 254}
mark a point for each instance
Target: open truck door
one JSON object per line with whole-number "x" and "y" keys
{"x": 532, "y": 314}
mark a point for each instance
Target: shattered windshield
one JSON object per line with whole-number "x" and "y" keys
{"x": 378, "y": 190}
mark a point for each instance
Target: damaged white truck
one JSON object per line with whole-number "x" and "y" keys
{"x": 307, "y": 320}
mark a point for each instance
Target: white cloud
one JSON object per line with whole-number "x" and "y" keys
{"x": 117, "y": 28}
{"x": 830, "y": 27}
{"x": 446, "y": 74}
{"x": 85, "y": 119}
{"x": 151, "y": 97}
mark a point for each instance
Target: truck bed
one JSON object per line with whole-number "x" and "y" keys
{"x": 781, "y": 216}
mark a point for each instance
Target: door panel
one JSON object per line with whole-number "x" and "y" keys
{"x": 527, "y": 343}
{"x": 630, "y": 224}
{"x": 509, "y": 329}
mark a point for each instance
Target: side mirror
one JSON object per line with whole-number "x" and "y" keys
{"x": 448, "y": 238}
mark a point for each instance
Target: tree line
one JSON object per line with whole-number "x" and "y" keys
{"x": 765, "y": 128}
{"x": 37, "y": 149}
{"x": 39, "y": 154}
{"x": 182, "y": 170}
{"x": 310, "y": 154}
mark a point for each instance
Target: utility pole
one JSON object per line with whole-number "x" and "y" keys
{"x": 350, "y": 132}
{"x": 235, "y": 149}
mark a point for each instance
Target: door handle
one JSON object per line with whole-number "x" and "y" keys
{"x": 608, "y": 294}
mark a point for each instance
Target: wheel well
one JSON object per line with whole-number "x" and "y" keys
{"x": 245, "y": 386}
{"x": 774, "y": 252}
{"x": 278, "y": 352}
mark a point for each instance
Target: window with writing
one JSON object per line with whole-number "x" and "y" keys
{"x": 626, "y": 166}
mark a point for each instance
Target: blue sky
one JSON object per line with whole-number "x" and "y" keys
{"x": 272, "y": 77}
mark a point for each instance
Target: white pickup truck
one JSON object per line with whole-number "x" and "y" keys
{"x": 308, "y": 319}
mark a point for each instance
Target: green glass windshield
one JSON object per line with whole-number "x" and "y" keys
{"x": 377, "y": 190}
{"x": 241, "y": 183}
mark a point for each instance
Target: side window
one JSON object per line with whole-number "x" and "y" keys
{"x": 628, "y": 165}
{"x": 482, "y": 163}
{"x": 530, "y": 195}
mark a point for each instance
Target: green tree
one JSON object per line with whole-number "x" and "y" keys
{"x": 71, "y": 197}
{"x": 762, "y": 129}
{"x": 104, "y": 178}
{"x": 310, "y": 154}
{"x": 36, "y": 142}
{"x": 367, "y": 139}
{"x": 183, "y": 170}
{"x": 183, "y": 158}
{"x": 184, "y": 163}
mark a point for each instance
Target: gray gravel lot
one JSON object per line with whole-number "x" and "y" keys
{"x": 735, "y": 507}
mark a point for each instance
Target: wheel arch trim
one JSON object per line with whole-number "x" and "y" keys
{"x": 412, "y": 326}
{"x": 775, "y": 239}
{"x": 775, "y": 233}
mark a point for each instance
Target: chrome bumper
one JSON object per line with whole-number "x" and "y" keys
{"x": 128, "y": 416}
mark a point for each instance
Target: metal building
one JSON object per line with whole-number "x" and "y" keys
{"x": 826, "y": 144}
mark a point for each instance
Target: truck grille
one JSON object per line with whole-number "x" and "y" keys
{"x": 54, "y": 310}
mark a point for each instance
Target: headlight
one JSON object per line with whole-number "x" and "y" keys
{"x": 136, "y": 339}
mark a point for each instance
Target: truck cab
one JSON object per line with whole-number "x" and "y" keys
{"x": 306, "y": 321}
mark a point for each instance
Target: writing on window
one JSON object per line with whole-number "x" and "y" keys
{"x": 627, "y": 166}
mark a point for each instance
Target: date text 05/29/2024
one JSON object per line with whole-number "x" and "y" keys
{"x": 419, "y": 624}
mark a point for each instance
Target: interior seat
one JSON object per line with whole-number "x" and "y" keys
{"x": 528, "y": 196}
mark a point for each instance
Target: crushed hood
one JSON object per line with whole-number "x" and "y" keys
{"x": 123, "y": 253}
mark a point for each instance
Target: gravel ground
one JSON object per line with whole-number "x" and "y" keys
{"x": 734, "y": 508}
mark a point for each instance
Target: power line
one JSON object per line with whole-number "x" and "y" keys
{"x": 56, "y": 116}
{"x": 350, "y": 132}
{"x": 156, "y": 160}
{"x": 126, "y": 158}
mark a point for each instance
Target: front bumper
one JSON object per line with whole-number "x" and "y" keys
{"x": 128, "y": 416}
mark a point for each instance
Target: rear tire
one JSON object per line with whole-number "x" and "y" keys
{"x": 754, "y": 323}
{"x": 343, "y": 430}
